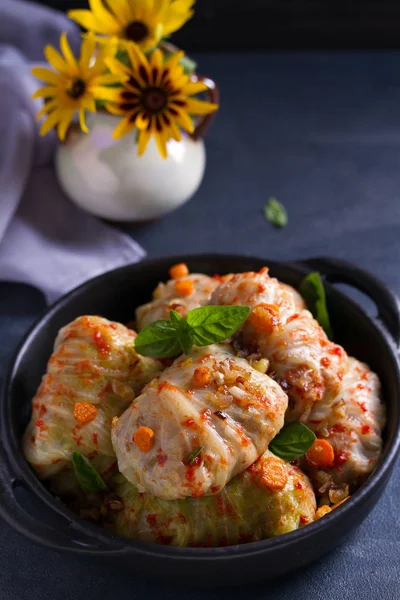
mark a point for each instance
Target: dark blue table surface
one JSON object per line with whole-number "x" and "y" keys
{"x": 322, "y": 133}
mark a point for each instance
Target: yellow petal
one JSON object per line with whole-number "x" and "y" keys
{"x": 178, "y": 81}
{"x": 136, "y": 57}
{"x": 66, "y": 50}
{"x": 64, "y": 124}
{"x": 138, "y": 7}
{"x": 109, "y": 78}
{"x": 142, "y": 121}
{"x": 176, "y": 16}
{"x": 175, "y": 131}
{"x": 87, "y": 20}
{"x": 199, "y": 107}
{"x": 144, "y": 137}
{"x": 161, "y": 6}
{"x": 45, "y": 75}
{"x": 55, "y": 59}
{"x": 156, "y": 64}
{"x": 121, "y": 11}
{"x": 114, "y": 109}
{"x": 193, "y": 87}
{"x": 82, "y": 121}
{"x": 47, "y": 107}
{"x": 173, "y": 60}
{"x": 106, "y": 52}
{"x": 50, "y": 122}
{"x": 83, "y": 17}
{"x": 47, "y": 91}
{"x": 87, "y": 51}
{"x": 184, "y": 121}
{"x": 123, "y": 127}
{"x": 117, "y": 67}
{"x": 156, "y": 59}
{"x": 161, "y": 143}
{"x": 107, "y": 93}
{"x": 102, "y": 14}
{"x": 89, "y": 103}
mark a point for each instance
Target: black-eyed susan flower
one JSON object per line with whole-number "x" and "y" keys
{"x": 73, "y": 84}
{"x": 156, "y": 98}
{"x": 144, "y": 22}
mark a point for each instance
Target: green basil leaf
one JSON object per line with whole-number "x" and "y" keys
{"x": 87, "y": 476}
{"x": 160, "y": 339}
{"x": 184, "y": 331}
{"x": 212, "y": 324}
{"x": 293, "y": 440}
{"x": 313, "y": 291}
{"x": 275, "y": 213}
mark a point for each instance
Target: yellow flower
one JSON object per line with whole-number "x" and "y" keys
{"x": 144, "y": 22}
{"x": 73, "y": 85}
{"x": 155, "y": 98}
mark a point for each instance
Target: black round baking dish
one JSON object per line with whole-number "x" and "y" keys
{"x": 115, "y": 296}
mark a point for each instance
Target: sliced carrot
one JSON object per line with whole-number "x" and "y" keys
{"x": 322, "y": 511}
{"x": 274, "y": 475}
{"x": 265, "y": 318}
{"x": 179, "y": 270}
{"x": 184, "y": 287}
{"x": 202, "y": 377}
{"x": 144, "y": 438}
{"x": 321, "y": 454}
{"x": 84, "y": 412}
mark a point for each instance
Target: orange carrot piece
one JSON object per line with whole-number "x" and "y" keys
{"x": 202, "y": 377}
{"x": 274, "y": 475}
{"x": 184, "y": 287}
{"x": 265, "y": 318}
{"x": 84, "y": 412}
{"x": 179, "y": 270}
{"x": 321, "y": 454}
{"x": 144, "y": 438}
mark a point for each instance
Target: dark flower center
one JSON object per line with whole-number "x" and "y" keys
{"x": 136, "y": 31}
{"x": 77, "y": 89}
{"x": 154, "y": 99}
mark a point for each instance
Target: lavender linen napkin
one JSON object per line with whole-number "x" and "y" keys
{"x": 45, "y": 240}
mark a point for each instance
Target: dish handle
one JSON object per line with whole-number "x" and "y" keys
{"x": 336, "y": 270}
{"x": 66, "y": 537}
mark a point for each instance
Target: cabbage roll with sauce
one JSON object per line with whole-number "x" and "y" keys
{"x": 93, "y": 374}
{"x": 352, "y": 423}
{"x": 306, "y": 364}
{"x": 207, "y": 418}
{"x": 181, "y": 294}
{"x": 268, "y": 499}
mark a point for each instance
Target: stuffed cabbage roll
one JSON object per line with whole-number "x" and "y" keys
{"x": 352, "y": 422}
{"x": 257, "y": 289}
{"x": 207, "y": 418}
{"x": 268, "y": 499}
{"x": 92, "y": 376}
{"x": 181, "y": 294}
{"x": 305, "y": 363}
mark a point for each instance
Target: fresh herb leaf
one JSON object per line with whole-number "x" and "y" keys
{"x": 212, "y": 324}
{"x": 275, "y": 213}
{"x": 190, "y": 458}
{"x": 313, "y": 291}
{"x": 184, "y": 331}
{"x": 160, "y": 339}
{"x": 87, "y": 476}
{"x": 293, "y": 441}
{"x": 202, "y": 326}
